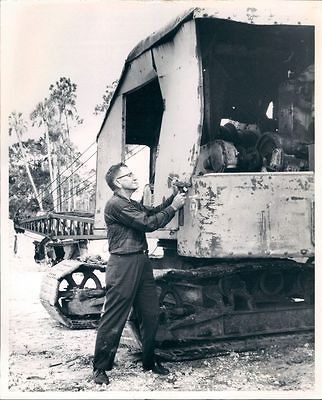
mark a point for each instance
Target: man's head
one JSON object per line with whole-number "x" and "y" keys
{"x": 120, "y": 177}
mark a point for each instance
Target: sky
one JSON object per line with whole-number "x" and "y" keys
{"x": 85, "y": 40}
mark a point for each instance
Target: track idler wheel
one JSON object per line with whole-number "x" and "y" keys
{"x": 171, "y": 304}
{"x": 72, "y": 294}
{"x": 271, "y": 283}
{"x": 233, "y": 288}
{"x": 77, "y": 280}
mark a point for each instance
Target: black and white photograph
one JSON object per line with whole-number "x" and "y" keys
{"x": 159, "y": 199}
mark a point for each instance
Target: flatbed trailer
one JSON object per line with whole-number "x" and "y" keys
{"x": 60, "y": 225}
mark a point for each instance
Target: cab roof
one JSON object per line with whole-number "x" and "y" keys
{"x": 296, "y": 15}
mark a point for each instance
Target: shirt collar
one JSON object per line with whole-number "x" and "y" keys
{"x": 121, "y": 197}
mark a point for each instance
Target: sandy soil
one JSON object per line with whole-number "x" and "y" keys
{"x": 44, "y": 356}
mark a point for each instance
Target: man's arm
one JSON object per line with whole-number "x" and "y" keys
{"x": 131, "y": 215}
{"x": 154, "y": 210}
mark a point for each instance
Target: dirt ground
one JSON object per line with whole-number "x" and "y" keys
{"x": 44, "y": 356}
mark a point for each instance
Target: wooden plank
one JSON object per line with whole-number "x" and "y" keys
{"x": 52, "y": 215}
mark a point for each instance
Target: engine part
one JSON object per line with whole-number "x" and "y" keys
{"x": 280, "y": 154}
{"x": 223, "y": 155}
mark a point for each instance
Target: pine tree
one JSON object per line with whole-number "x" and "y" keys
{"x": 18, "y": 126}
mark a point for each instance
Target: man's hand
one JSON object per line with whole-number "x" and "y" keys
{"x": 178, "y": 201}
{"x": 175, "y": 187}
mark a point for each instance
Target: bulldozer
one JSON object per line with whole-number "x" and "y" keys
{"x": 223, "y": 104}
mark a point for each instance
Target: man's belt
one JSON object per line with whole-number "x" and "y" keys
{"x": 133, "y": 253}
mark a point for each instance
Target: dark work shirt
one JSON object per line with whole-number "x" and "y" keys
{"x": 127, "y": 221}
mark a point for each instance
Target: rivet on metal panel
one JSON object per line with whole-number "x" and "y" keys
{"x": 303, "y": 251}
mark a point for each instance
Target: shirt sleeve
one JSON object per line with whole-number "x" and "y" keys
{"x": 134, "y": 217}
{"x": 154, "y": 210}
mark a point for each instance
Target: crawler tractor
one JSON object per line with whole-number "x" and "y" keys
{"x": 224, "y": 104}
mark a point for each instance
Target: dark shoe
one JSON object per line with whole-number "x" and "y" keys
{"x": 100, "y": 377}
{"x": 159, "y": 369}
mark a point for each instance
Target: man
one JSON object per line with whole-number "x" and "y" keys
{"x": 129, "y": 277}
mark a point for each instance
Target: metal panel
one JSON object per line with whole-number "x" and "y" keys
{"x": 109, "y": 151}
{"x": 248, "y": 215}
{"x": 303, "y": 14}
{"x": 262, "y": 14}
{"x": 155, "y": 37}
{"x": 140, "y": 72}
{"x": 267, "y": 15}
{"x": 111, "y": 141}
{"x": 179, "y": 77}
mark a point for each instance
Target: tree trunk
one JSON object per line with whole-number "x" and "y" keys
{"x": 59, "y": 188}
{"x": 55, "y": 183}
{"x": 71, "y": 182}
{"x": 39, "y": 200}
{"x": 53, "y": 176}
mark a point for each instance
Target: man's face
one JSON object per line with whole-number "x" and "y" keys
{"x": 126, "y": 179}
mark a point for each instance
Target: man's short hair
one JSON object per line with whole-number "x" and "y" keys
{"x": 111, "y": 174}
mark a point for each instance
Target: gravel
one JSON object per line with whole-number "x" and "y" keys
{"x": 46, "y": 357}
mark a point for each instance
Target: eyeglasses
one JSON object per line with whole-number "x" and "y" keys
{"x": 130, "y": 175}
